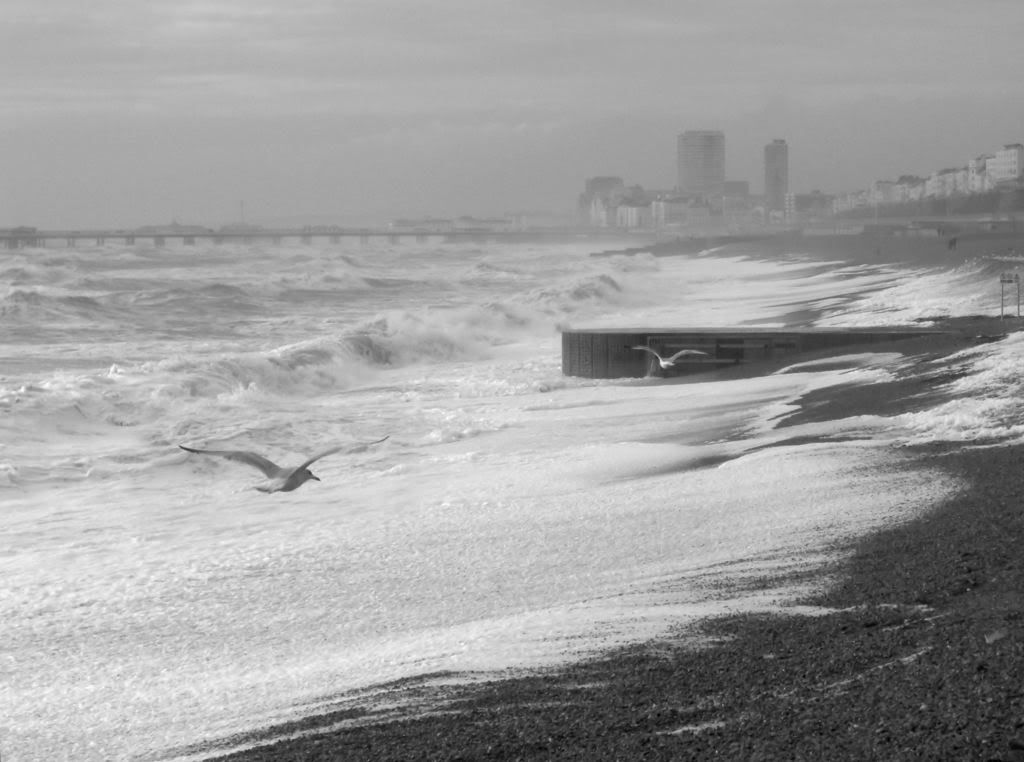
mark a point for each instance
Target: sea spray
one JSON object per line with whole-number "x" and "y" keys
{"x": 152, "y": 601}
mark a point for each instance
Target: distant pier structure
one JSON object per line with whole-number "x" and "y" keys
{"x": 29, "y": 237}
{"x": 610, "y": 353}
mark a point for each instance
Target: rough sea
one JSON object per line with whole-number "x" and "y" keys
{"x": 153, "y": 605}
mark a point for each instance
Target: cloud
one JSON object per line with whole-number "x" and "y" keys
{"x": 406, "y": 56}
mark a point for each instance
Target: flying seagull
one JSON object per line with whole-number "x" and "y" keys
{"x": 669, "y": 362}
{"x": 281, "y": 479}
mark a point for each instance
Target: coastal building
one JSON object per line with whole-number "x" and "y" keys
{"x": 909, "y": 188}
{"x": 776, "y": 175}
{"x": 633, "y": 214}
{"x": 601, "y": 212}
{"x": 738, "y": 204}
{"x": 600, "y": 196}
{"x": 676, "y": 212}
{"x": 978, "y": 178}
{"x": 984, "y": 174}
{"x": 1007, "y": 165}
{"x": 946, "y": 183}
{"x": 700, "y": 161}
{"x": 813, "y": 206}
{"x": 669, "y": 211}
{"x": 848, "y": 202}
{"x": 883, "y": 192}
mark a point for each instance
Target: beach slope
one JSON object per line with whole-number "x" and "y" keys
{"x": 915, "y": 650}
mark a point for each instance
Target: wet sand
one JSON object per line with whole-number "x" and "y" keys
{"x": 916, "y": 650}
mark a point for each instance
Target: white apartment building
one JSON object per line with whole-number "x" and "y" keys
{"x": 668, "y": 212}
{"x": 850, "y": 201}
{"x": 1008, "y": 164}
{"x": 978, "y": 178}
{"x": 883, "y": 192}
{"x": 908, "y": 191}
{"x": 631, "y": 214}
{"x": 602, "y": 212}
{"x": 946, "y": 183}
{"x": 908, "y": 188}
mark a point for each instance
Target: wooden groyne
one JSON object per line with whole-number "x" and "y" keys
{"x": 609, "y": 353}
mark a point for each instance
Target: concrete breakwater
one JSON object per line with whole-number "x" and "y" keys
{"x": 610, "y": 353}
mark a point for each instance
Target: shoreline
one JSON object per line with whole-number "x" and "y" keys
{"x": 916, "y": 650}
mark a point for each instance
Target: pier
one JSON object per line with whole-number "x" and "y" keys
{"x": 17, "y": 238}
{"x": 609, "y": 353}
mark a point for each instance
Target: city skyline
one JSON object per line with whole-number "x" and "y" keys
{"x": 127, "y": 114}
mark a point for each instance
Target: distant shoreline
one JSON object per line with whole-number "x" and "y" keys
{"x": 868, "y": 247}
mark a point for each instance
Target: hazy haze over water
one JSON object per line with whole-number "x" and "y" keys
{"x": 122, "y": 114}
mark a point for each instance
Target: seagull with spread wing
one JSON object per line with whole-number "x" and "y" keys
{"x": 668, "y": 362}
{"x": 281, "y": 478}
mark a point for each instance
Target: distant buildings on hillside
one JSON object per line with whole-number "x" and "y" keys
{"x": 1001, "y": 172}
{"x": 703, "y": 197}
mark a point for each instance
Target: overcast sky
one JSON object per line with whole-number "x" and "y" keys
{"x": 129, "y": 112}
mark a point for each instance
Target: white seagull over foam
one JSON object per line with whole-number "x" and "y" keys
{"x": 668, "y": 362}
{"x": 282, "y": 479}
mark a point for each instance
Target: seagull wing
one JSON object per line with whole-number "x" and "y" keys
{"x": 646, "y": 349}
{"x": 333, "y": 450}
{"x": 688, "y": 353}
{"x": 269, "y": 468}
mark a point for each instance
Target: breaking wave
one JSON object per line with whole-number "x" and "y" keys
{"x": 24, "y": 303}
{"x": 573, "y": 295}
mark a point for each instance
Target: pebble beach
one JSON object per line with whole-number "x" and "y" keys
{"x": 910, "y": 648}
